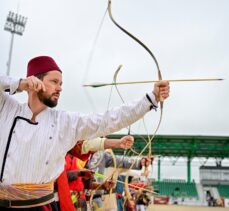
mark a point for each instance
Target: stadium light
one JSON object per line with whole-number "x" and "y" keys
{"x": 15, "y": 24}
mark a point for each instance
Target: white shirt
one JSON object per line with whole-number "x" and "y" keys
{"x": 36, "y": 152}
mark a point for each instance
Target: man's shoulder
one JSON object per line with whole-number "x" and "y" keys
{"x": 8, "y": 100}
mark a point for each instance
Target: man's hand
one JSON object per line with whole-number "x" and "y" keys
{"x": 161, "y": 90}
{"x": 86, "y": 174}
{"x": 108, "y": 184}
{"x": 31, "y": 83}
{"x": 126, "y": 142}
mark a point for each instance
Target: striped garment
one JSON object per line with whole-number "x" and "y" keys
{"x": 34, "y": 153}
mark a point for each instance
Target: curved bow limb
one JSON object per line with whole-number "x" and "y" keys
{"x": 136, "y": 39}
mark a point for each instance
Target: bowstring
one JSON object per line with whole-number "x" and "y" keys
{"x": 90, "y": 59}
{"x": 87, "y": 69}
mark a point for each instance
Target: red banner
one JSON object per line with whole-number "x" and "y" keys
{"x": 161, "y": 200}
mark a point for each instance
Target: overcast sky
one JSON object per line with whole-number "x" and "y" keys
{"x": 188, "y": 37}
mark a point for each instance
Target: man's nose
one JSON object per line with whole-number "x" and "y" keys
{"x": 59, "y": 88}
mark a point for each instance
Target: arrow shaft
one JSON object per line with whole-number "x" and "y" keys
{"x": 152, "y": 81}
{"x": 131, "y": 185}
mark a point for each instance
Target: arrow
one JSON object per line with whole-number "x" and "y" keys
{"x": 96, "y": 85}
{"x": 101, "y": 176}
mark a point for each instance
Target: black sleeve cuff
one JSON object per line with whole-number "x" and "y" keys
{"x": 152, "y": 104}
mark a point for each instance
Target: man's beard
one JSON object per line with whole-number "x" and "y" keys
{"x": 47, "y": 99}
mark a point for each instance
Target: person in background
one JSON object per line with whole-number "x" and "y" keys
{"x": 119, "y": 193}
{"x": 104, "y": 159}
{"x": 80, "y": 178}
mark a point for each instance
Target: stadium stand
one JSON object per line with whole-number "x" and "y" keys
{"x": 212, "y": 190}
{"x": 176, "y": 188}
{"x": 223, "y": 190}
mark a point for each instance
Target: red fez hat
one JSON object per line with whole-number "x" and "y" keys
{"x": 41, "y": 64}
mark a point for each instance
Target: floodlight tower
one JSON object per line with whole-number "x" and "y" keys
{"x": 15, "y": 24}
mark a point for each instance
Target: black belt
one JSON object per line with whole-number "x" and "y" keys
{"x": 29, "y": 202}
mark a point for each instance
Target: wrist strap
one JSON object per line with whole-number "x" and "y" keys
{"x": 152, "y": 106}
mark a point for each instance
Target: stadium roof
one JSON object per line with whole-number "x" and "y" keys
{"x": 181, "y": 146}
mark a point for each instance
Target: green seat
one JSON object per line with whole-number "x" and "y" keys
{"x": 176, "y": 188}
{"x": 223, "y": 190}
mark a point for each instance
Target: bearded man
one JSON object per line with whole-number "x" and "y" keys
{"x": 35, "y": 138}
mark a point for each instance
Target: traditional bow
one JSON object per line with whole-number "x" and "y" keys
{"x": 159, "y": 78}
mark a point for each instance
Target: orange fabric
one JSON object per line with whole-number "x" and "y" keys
{"x": 25, "y": 191}
{"x": 80, "y": 163}
{"x": 64, "y": 193}
{"x": 30, "y": 186}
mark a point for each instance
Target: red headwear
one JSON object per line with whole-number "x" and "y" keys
{"x": 41, "y": 64}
